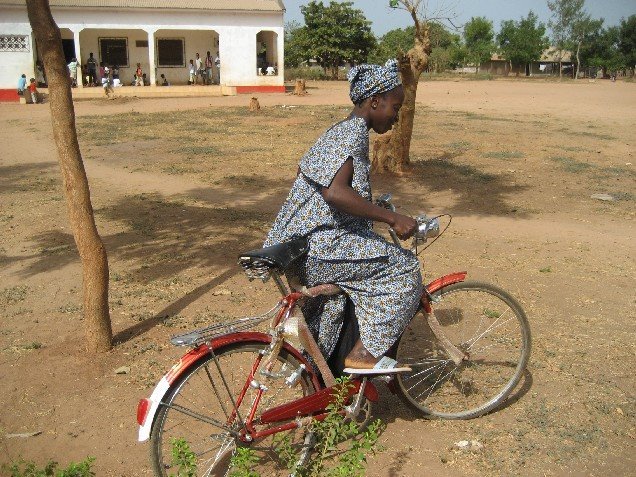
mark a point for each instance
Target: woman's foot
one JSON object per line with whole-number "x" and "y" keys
{"x": 359, "y": 357}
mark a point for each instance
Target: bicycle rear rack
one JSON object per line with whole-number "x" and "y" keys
{"x": 203, "y": 335}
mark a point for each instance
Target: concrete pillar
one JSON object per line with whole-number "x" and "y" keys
{"x": 151, "y": 57}
{"x": 78, "y": 55}
{"x": 281, "y": 53}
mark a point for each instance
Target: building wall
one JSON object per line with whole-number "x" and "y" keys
{"x": 236, "y": 37}
{"x": 15, "y": 63}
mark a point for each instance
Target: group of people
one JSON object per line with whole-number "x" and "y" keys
{"x": 269, "y": 70}
{"x": 207, "y": 71}
{"x": 31, "y": 88}
{"x": 201, "y": 71}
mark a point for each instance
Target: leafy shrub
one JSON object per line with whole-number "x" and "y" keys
{"x": 23, "y": 468}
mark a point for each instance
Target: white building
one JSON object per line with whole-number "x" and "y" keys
{"x": 161, "y": 35}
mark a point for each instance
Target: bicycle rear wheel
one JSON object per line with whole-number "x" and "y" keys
{"x": 485, "y": 323}
{"x": 197, "y": 415}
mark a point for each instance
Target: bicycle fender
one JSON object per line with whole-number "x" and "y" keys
{"x": 148, "y": 407}
{"x": 437, "y": 285}
{"x": 446, "y": 280}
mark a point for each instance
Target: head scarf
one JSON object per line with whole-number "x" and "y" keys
{"x": 367, "y": 80}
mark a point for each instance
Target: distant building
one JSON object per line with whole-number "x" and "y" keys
{"x": 162, "y": 35}
{"x": 548, "y": 65}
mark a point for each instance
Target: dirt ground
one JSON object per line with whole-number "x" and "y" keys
{"x": 181, "y": 186}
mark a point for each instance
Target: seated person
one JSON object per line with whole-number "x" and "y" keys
{"x": 270, "y": 70}
{"x": 330, "y": 204}
{"x": 164, "y": 80}
{"x": 21, "y": 84}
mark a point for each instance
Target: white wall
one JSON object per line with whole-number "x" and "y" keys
{"x": 236, "y": 31}
{"x": 14, "y": 64}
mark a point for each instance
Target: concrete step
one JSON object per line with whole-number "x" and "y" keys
{"x": 180, "y": 91}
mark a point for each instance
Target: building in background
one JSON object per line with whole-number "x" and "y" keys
{"x": 162, "y": 35}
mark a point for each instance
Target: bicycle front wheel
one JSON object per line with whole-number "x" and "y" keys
{"x": 490, "y": 328}
{"x": 195, "y": 428}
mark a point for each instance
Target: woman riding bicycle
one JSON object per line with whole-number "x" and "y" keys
{"x": 330, "y": 204}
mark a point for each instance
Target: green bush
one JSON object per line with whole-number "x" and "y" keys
{"x": 23, "y": 468}
{"x": 304, "y": 73}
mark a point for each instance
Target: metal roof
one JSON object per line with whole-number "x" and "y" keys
{"x": 241, "y": 5}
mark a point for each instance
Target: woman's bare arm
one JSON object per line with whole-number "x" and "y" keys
{"x": 343, "y": 197}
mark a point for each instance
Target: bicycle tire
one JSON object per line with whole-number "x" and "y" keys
{"x": 212, "y": 445}
{"x": 469, "y": 313}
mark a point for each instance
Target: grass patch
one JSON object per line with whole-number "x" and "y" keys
{"x": 505, "y": 155}
{"x": 459, "y": 145}
{"x": 571, "y": 165}
{"x": 197, "y": 150}
{"x": 12, "y": 295}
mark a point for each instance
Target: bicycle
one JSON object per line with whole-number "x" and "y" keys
{"x": 239, "y": 387}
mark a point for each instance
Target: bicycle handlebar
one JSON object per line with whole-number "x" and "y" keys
{"x": 428, "y": 227}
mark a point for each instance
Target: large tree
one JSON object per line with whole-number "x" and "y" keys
{"x": 295, "y": 52}
{"x": 603, "y": 50}
{"x": 391, "y": 150}
{"x": 336, "y": 34}
{"x": 478, "y": 36}
{"x": 565, "y": 15}
{"x": 627, "y": 42}
{"x": 522, "y": 42}
{"x": 89, "y": 244}
{"x": 583, "y": 30}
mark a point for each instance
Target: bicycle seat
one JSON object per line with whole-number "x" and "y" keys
{"x": 277, "y": 256}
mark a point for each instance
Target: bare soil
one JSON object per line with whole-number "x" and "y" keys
{"x": 181, "y": 186}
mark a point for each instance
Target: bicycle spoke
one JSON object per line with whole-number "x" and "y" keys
{"x": 490, "y": 328}
{"x": 432, "y": 386}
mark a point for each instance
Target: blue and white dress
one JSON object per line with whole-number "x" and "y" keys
{"x": 382, "y": 280}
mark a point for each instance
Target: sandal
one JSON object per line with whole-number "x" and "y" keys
{"x": 385, "y": 365}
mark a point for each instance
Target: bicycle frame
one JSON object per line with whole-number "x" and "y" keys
{"x": 302, "y": 410}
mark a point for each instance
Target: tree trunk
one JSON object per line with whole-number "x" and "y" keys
{"x": 254, "y": 105}
{"x": 89, "y": 244}
{"x": 578, "y": 60}
{"x": 391, "y": 150}
{"x": 300, "y": 87}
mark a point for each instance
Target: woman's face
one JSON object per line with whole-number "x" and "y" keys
{"x": 385, "y": 110}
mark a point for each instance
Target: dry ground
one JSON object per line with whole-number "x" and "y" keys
{"x": 181, "y": 186}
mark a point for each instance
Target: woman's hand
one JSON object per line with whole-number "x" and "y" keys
{"x": 404, "y": 226}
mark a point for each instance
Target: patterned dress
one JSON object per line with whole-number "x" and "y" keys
{"x": 381, "y": 279}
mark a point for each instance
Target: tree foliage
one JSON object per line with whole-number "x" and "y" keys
{"x": 444, "y": 46}
{"x": 522, "y": 42}
{"x": 391, "y": 43}
{"x": 335, "y": 34}
{"x": 627, "y": 42}
{"x": 478, "y": 36}
{"x": 565, "y": 15}
{"x": 295, "y": 44}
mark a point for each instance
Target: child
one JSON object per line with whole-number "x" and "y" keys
{"x": 193, "y": 72}
{"x": 106, "y": 82}
{"x": 21, "y": 85}
{"x": 164, "y": 80}
{"x": 139, "y": 78}
{"x": 33, "y": 90}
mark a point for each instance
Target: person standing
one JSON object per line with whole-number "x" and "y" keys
{"x": 199, "y": 65}
{"x": 91, "y": 65}
{"x": 40, "y": 78}
{"x": 34, "y": 91}
{"x": 106, "y": 81}
{"x": 72, "y": 71}
{"x": 193, "y": 73}
{"x": 139, "y": 76}
{"x": 209, "y": 63}
{"x": 217, "y": 73}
